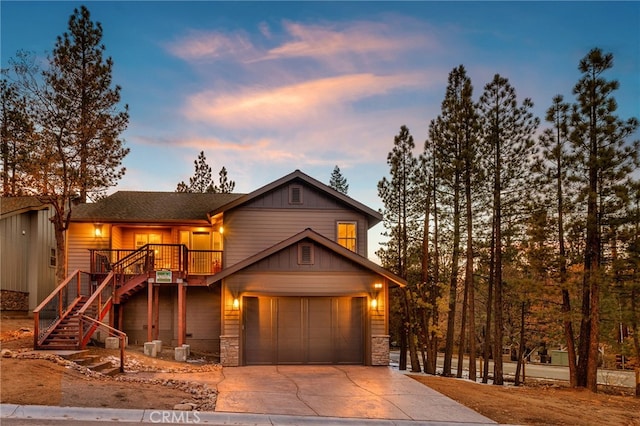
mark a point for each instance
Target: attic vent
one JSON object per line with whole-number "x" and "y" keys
{"x": 295, "y": 194}
{"x": 305, "y": 254}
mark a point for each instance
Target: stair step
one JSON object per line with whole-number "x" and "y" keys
{"x": 100, "y": 365}
{"x": 111, "y": 371}
{"x": 87, "y": 360}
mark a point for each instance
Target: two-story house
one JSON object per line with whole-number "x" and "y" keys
{"x": 276, "y": 276}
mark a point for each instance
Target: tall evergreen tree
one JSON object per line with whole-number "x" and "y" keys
{"x": 17, "y": 134}
{"x": 75, "y": 108}
{"x": 599, "y": 141}
{"x": 554, "y": 167}
{"x": 453, "y": 134}
{"x": 201, "y": 180}
{"x": 338, "y": 182}
{"x": 400, "y": 221}
{"x": 508, "y": 129}
{"x": 225, "y": 185}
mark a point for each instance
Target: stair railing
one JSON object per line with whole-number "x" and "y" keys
{"x": 121, "y": 335}
{"x": 55, "y": 306}
{"x": 97, "y": 307}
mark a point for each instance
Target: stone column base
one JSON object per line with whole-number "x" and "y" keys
{"x": 380, "y": 349}
{"x": 230, "y": 351}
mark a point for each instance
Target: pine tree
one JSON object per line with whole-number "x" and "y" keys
{"x": 225, "y": 186}
{"x": 338, "y": 182}
{"x": 453, "y": 135}
{"x": 599, "y": 141}
{"x": 75, "y": 109}
{"x": 16, "y": 139}
{"x": 508, "y": 130}
{"x": 399, "y": 218}
{"x": 201, "y": 180}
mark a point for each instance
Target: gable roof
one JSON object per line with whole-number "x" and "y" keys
{"x": 374, "y": 216}
{"x": 317, "y": 238}
{"x": 142, "y": 206}
{"x": 10, "y": 206}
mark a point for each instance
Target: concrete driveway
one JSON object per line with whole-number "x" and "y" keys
{"x": 336, "y": 391}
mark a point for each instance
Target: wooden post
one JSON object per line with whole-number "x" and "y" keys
{"x": 156, "y": 312}
{"x": 182, "y": 314}
{"x": 150, "y": 311}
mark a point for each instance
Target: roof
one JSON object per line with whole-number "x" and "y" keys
{"x": 374, "y": 216}
{"x": 141, "y": 206}
{"x": 317, "y": 238}
{"x": 10, "y": 206}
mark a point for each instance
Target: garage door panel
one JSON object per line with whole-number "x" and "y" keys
{"x": 259, "y": 330}
{"x": 304, "y": 330}
{"x": 320, "y": 336}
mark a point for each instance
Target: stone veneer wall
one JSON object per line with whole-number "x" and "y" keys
{"x": 380, "y": 349}
{"x": 14, "y": 300}
{"x": 230, "y": 351}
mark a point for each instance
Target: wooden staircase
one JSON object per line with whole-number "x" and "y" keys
{"x": 130, "y": 287}
{"x": 66, "y": 333}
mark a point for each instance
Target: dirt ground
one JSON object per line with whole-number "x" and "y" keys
{"x": 53, "y": 381}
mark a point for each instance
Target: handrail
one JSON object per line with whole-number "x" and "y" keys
{"x": 56, "y": 305}
{"x": 119, "y": 333}
{"x": 57, "y": 290}
{"x": 97, "y": 293}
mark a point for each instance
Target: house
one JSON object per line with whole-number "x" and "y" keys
{"x": 276, "y": 276}
{"x": 28, "y": 246}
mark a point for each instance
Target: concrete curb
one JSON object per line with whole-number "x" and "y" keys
{"x": 86, "y": 414}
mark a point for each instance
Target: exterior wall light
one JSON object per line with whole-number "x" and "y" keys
{"x": 221, "y": 230}
{"x": 236, "y": 303}
{"x": 97, "y": 229}
{"x": 374, "y": 295}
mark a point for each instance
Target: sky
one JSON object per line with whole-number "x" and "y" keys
{"x": 265, "y": 88}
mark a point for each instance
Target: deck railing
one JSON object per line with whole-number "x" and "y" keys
{"x": 59, "y": 302}
{"x": 152, "y": 257}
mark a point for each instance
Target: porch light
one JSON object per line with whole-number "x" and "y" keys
{"x": 374, "y": 303}
{"x": 221, "y": 230}
{"x": 97, "y": 229}
{"x": 374, "y": 295}
{"x": 236, "y": 303}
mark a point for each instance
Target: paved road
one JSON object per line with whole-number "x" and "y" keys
{"x": 546, "y": 371}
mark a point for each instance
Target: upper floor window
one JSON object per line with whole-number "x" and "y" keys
{"x": 347, "y": 235}
{"x": 295, "y": 194}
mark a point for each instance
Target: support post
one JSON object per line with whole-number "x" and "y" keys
{"x": 182, "y": 314}
{"x": 156, "y": 312}
{"x": 150, "y": 311}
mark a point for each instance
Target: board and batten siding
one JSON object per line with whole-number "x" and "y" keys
{"x": 203, "y": 319}
{"x": 249, "y": 231}
{"x": 202, "y": 324}
{"x": 27, "y": 240}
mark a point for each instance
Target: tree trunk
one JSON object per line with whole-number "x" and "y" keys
{"x": 522, "y": 346}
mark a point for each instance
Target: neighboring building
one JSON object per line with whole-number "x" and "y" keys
{"x": 276, "y": 276}
{"x": 27, "y": 253}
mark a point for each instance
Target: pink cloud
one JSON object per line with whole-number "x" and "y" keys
{"x": 286, "y": 105}
{"x": 207, "y": 45}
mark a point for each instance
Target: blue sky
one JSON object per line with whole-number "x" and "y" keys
{"x": 264, "y": 88}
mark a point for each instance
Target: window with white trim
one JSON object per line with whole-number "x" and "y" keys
{"x": 347, "y": 235}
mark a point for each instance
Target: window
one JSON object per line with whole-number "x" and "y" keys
{"x": 53, "y": 259}
{"x": 295, "y": 194}
{"x": 347, "y": 235}
{"x": 305, "y": 254}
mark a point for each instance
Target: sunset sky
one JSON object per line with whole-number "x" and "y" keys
{"x": 264, "y": 88}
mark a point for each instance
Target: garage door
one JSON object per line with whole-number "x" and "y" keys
{"x": 303, "y": 330}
